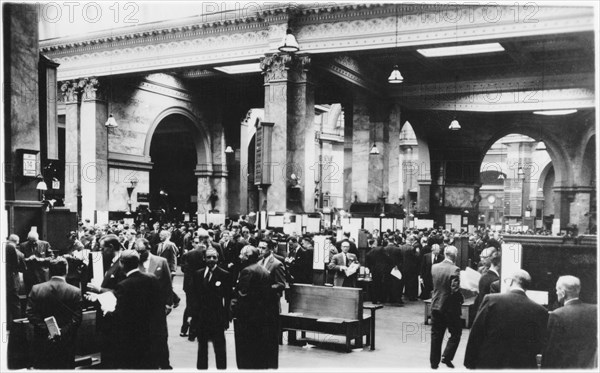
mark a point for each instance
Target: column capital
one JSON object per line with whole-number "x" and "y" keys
{"x": 86, "y": 89}
{"x": 285, "y": 67}
{"x": 69, "y": 92}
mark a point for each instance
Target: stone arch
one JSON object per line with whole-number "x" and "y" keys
{"x": 588, "y": 162}
{"x": 558, "y": 156}
{"x": 201, "y": 135}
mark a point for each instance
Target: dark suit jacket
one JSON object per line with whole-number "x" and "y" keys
{"x": 395, "y": 254}
{"x": 192, "y": 261}
{"x": 302, "y": 266}
{"x": 572, "y": 337}
{"x": 209, "y": 300}
{"x": 253, "y": 300}
{"x": 139, "y": 312}
{"x": 379, "y": 262}
{"x": 159, "y": 267}
{"x": 340, "y": 278}
{"x": 426, "y": 269}
{"x": 485, "y": 283}
{"x": 63, "y": 301}
{"x": 410, "y": 261}
{"x": 445, "y": 276}
{"x": 508, "y": 332}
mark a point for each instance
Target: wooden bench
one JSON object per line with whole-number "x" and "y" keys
{"x": 329, "y": 310}
{"x": 467, "y": 311}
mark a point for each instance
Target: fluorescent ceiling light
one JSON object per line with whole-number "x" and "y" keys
{"x": 555, "y": 112}
{"x": 240, "y": 69}
{"x": 461, "y": 49}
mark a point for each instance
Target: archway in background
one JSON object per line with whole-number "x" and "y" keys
{"x": 174, "y": 156}
{"x": 513, "y": 174}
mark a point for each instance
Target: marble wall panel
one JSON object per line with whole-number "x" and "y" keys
{"x": 360, "y": 151}
{"x": 119, "y": 180}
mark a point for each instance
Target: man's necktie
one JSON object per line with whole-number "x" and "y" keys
{"x": 345, "y": 259}
{"x": 208, "y": 275}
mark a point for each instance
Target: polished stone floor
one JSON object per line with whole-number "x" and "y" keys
{"x": 402, "y": 344}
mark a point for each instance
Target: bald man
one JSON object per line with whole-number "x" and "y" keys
{"x": 572, "y": 330}
{"x": 509, "y": 329}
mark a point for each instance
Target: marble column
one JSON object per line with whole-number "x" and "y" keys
{"x": 220, "y": 172}
{"x": 94, "y": 149}
{"x": 393, "y": 154}
{"x": 348, "y": 146}
{"x": 21, "y": 103}
{"x": 289, "y": 104}
{"x": 205, "y": 187}
{"x": 72, "y": 145}
{"x": 361, "y": 144}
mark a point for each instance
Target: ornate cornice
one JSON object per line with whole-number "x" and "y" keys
{"x": 318, "y": 29}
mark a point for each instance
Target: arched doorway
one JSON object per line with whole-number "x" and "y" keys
{"x": 173, "y": 185}
{"x": 515, "y": 180}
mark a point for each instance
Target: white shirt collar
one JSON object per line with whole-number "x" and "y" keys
{"x": 570, "y": 300}
{"x": 132, "y": 271}
{"x": 59, "y": 278}
{"x": 496, "y": 272}
{"x": 116, "y": 257}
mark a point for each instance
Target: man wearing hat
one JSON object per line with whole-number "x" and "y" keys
{"x": 137, "y": 313}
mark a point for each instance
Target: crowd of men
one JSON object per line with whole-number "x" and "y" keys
{"x": 236, "y": 274}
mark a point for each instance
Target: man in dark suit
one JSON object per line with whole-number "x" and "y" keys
{"x": 210, "y": 295}
{"x": 572, "y": 330}
{"x": 488, "y": 278}
{"x": 192, "y": 261}
{"x": 301, "y": 267}
{"x": 111, "y": 252}
{"x": 410, "y": 269}
{"x": 340, "y": 264}
{"x": 158, "y": 267}
{"x": 445, "y": 309}
{"x": 255, "y": 309}
{"x": 15, "y": 263}
{"x": 509, "y": 329}
{"x": 63, "y": 301}
{"x": 277, "y": 274}
{"x": 429, "y": 259}
{"x": 35, "y": 251}
{"x": 137, "y": 313}
{"x": 393, "y": 251}
{"x": 380, "y": 265}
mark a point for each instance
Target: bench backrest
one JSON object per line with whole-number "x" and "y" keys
{"x": 326, "y": 301}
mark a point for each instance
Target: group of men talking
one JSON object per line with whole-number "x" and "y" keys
{"x": 510, "y": 330}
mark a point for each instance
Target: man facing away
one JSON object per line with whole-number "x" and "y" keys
{"x": 254, "y": 308}
{"x": 138, "y": 311}
{"x": 445, "y": 309}
{"x": 572, "y": 330}
{"x": 509, "y": 329}
{"x": 55, "y": 298}
{"x": 210, "y": 295}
